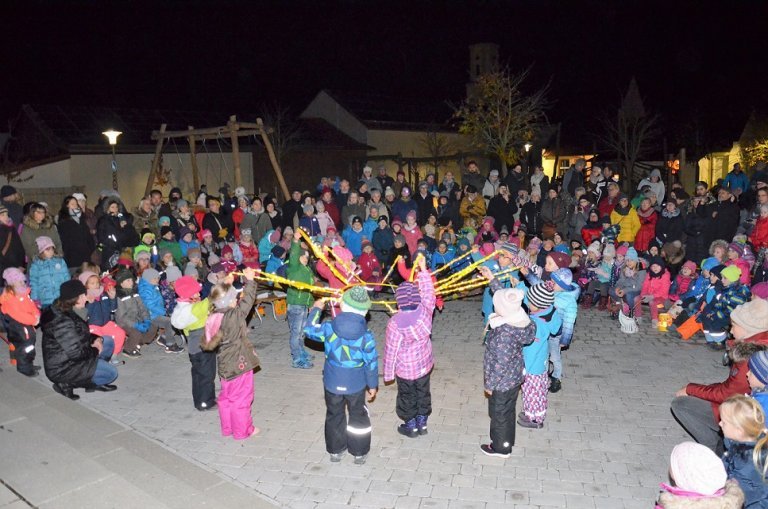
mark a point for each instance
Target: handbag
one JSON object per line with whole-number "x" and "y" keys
{"x": 689, "y": 328}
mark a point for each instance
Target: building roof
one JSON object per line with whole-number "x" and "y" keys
{"x": 385, "y": 112}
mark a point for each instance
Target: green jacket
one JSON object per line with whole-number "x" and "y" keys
{"x": 173, "y": 247}
{"x": 296, "y": 271}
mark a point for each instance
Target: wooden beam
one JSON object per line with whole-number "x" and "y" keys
{"x": 209, "y": 133}
{"x": 155, "y": 161}
{"x": 235, "y": 149}
{"x": 273, "y": 160}
{"x": 193, "y": 161}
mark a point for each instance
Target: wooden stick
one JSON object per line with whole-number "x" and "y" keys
{"x": 155, "y": 163}
{"x": 193, "y": 161}
{"x": 235, "y": 150}
{"x": 273, "y": 160}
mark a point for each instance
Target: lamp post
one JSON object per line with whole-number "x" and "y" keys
{"x": 527, "y": 147}
{"x": 112, "y": 137}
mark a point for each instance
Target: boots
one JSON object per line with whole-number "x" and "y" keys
{"x": 66, "y": 390}
{"x": 586, "y": 302}
{"x": 603, "y": 304}
{"x": 409, "y": 429}
{"x": 421, "y": 424}
{"x": 595, "y": 298}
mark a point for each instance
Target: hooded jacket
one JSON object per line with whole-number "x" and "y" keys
{"x": 737, "y": 459}
{"x": 736, "y": 383}
{"x": 408, "y": 346}
{"x": 152, "y": 299}
{"x": 567, "y": 309}
{"x": 32, "y": 230}
{"x": 46, "y": 277}
{"x": 351, "y": 361}
{"x": 629, "y": 224}
{"x": 657, "y": 286}
{"x": 730, "y": 497}
{"x": 548, "y": 323}
{"x": 68, "y": 356}
{"x": 503, "y": 360}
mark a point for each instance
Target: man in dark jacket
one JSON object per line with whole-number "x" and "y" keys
{"x": 515, "y": 180}
{"x": 531, "y": 215}
{"x": 291, "y": 209}
{"x": 724, "y": 214}
{"x": 472, "y": 176}
{"x": 10, "y": 199}
{"x": 72, "y": 356}
{"x": 502, "y": 209}
{"x": 574, "y": 177}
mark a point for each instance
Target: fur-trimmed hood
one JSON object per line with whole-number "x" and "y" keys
{"x": 30, "y": 223}
{"x": 732, "y": 498}
{"x": 674, "y": 252}
{"x": 741, "y": 352}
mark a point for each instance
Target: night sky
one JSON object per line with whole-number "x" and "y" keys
{"x": 695, "y": 62}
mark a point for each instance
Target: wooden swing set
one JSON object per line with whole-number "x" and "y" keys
{"x": 233, "y": 130}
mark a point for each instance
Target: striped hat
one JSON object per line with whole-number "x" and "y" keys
{"x": 356, "y": 300}
{"x": 407, "y": 296}
{"x": 758, "y": 365}
{"x": 541, "y": 296}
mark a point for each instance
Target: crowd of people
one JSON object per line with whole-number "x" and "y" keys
{"x": 103, "y": 282}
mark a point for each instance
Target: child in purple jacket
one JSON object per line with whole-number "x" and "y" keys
{"x": 408, "y": 351}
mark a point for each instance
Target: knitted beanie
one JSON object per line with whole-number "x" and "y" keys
{"x": 14, "y": 276}
{"x": 356, "y": 300}
{"x": 690, "y": 265}
{"x": 710, "y": 263}
{"x": 760, "y": 290}
{"x": 44, "y": 243}
{"x": 732, "y": 273}
{"x": 758, "y": 365}
{"x": 562, "y": 260}
{"x": 696, "y": 468}
{"x": 85, "y": 276}
{"x": 541, "y": 295}
{"x": 563, "y": 278}
{"x": 149, "y": 274}
{"x": 631, "y": 254}
{"x": 751, "y": 316}
{"x": 172, "y": 273}
{"x": 71, "y": 289}
{"x": 510, "y": 249}
{"x": 186, "y": 287}
{"x": 407, "y": 296}
{"x": 609, "y": 250}
{"x": 738, "y": 248}
{"x": 622, "y": 250}
{"x": 123, "y": 275}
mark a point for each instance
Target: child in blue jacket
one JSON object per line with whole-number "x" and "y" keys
{"x": 566, "y": 297}
{"x": 351, "y": 367}
{"x": 536, "y": 383}
{"x": 47, "y": 272}
{"x": 149, "y": 292}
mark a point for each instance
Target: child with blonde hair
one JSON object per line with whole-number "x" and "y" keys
{"x": 227, "y": 334}
{"x": 743, "y": 423}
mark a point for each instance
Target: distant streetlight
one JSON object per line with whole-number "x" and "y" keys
{"x": 527, "y": 147}
{"x": 112, "y": 137}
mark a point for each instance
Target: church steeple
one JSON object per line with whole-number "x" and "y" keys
{"x": 483, "y": 59}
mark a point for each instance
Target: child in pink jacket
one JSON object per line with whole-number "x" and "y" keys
{"x": 408, "y": 351}
{"x": 736, "y": 257}
{"x": 655, "y": 289}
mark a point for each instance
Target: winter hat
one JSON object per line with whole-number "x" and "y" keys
{"x": 487, "y": 248}
{"x": 71, "y": 289}
{"x": 14, "y": 276}
{"x": 382, "y": 218}
{"x": 411, "y": 215}
{"x": 732, "y": 273}
{"x": 534, "y": 244}
{"x": 206, "y": 233}
{"x": 760, "y": 290}
{"x": 710, "y": 263}
{"x": 6, "y": 191}
{"x": 183, "y": 232}
{"x": 562, "y": 260}
{"x": 717, "y": 271}
{"x": 609, "y": 250}
{"x": 365, "y": 244}
{"x": 631, "y": 255}
{"x": 194, "y": 252}
{"x": 172, "y": 273}
{"x": 738, "y": 248}
{"x": 123, "y": 275}
{"x": 278, "y": 251}
{"x": 507, "y": 303}
{"x": 181, "y": 203}
{"x": 3, "y": 209}
{"x": 191, "y": 270}
{"x": 397, "y": 221}
{"x": 594, "y": 248}
{"x": 308, "y": 207}
{"x": 227, "y": 250}
{"x": 541, "y": 295}
{"x": 164, "y": 221}
{"x": 357, "y": 219}
{"x": 274, "y": 237}
{"x": 656, "y": 260}
{"x": 563, "y": 278}
{"x": 85, "y": 276}
{"x": 240, "y": 191}
{"x": 149, "y": 274}
{"x": 165, "y": 230}
{"x": 399, "y": 237}
{"x": 186, "y": 287}
{"x": 623, "y": 250}
{"x": 407, "y": 296}
{"x": 356, "y": 300}
{"x": 161, "y": 254}
{"x": 758, "y": 365}
{"x": 44, "y": 243}
{"x": 510, "y": 249}
{"x": 696, "y": 468}
{"x": 689, "y": 265}
{"x": 752, "y": 316}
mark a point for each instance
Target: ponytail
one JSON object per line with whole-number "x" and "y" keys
{"x": 759, "y": 456}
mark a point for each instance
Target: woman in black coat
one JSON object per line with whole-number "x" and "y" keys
{"x": 72, "y": 356}
{"x": 671, "y": 224}
{"x": 11, "y": 248}
{"x": 724, "y": 216}
{"x": 531, "y": 216}
{"x": 696, "y": 224}
{"x": 114, "y": 231}
{"x": 76, "y": 239}
{"x": 502, "y": 209}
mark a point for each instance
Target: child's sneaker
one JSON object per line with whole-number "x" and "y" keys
{"x": 409, "y": 429}
{"x": 307, "y": 356}
{"x": 421, "y": 424}
{"x": 336, "y": 457}
{"x": 174, "y": 349}
{"x": 160, "y": 340}
{"x": 302, "y": 364}
{"x": 525, "y": 422}
{"x": 488, "y": 450}
{"x": 360, "y": 460}
{"x": 555, "y": 385}
{"x": 132, "y": 354}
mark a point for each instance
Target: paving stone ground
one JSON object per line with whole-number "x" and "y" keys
{"x": 605, "y": 444}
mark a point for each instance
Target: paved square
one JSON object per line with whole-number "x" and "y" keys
{"x": 605, "y": 444}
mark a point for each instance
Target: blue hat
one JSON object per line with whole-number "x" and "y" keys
{"x": 561, "y": 248}
{"x": 758, "y": 365}
{"x": 710, "y": 263}
{"x": 563, "y": 278}
{"x": 631, "y": 255}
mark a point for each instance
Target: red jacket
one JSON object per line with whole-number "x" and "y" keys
{"x": 591, "y": 234}
{"x": 736, "y": 383}
{"x": 647, "y": 231}
{"x": 657, "y": 286}
{"x": 369, "y": 264}
{"x": 606, "y": 206}
{"x": 759, "y": 236}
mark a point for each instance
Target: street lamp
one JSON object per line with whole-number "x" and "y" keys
{"x": 527, "y": 147}
{"x": 112, "y": 137}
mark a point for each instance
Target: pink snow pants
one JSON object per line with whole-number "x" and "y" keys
{"x": 235, "y": 400}
{"x": 111, "y": 329}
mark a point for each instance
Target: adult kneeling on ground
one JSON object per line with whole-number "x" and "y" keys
{"x": 696, "y": 406}
{"x": 72, "y": 356}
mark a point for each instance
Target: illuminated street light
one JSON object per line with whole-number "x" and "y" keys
{"x": 112, "y": 137}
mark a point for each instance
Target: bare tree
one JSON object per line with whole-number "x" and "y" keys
{"x": 438, "y": 146}
{"x": 630, "y": 133}
{"x": 499, "y": 117}
{"x": 284, "y": 130}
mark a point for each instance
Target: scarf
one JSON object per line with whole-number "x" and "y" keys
{"x": 622, "y": 211}
{"x": 646, "y": 213}
{"x": 75, "y": 214}
{"x": 670, "y": 215}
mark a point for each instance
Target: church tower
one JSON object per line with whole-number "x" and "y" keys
{"x": 483, "y": 59}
